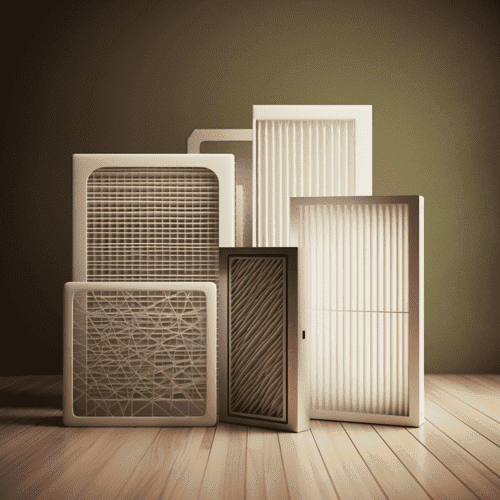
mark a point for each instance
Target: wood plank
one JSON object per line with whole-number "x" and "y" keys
{"x": 159, "y": 466}
{"x": 8, "y": 381}
{"x": 45, "y": 464}
{"x": 390, "y": 473}
{"x": 489, "y": 383}
{"x": 432, "y": 475}
{"x": 486, "y": 426}
{"x": 162, "y": 446}
{"x": 80, "y": 473}
{"x": 477, "y": 401}
{"x": 477, "y": 445}
{"x": 305, "y": 472}
{"x": 350, "y": 475}
{"x": 265, "y": 475}
{"x": 20, "y": 420}
{"x": 225, "y": 473}
{"x": 476, "y": 476}
{"x": 187, "y": 474}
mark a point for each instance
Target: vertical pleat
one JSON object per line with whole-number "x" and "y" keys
{"x": 300, "y": 158}
{"x": 357, "y": 259}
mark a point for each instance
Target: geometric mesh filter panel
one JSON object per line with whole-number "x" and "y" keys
{"x": 151, "y": 217}
{"x": 361, "y": 302}
{"x": 140, "y": 353}
{"x": 306, "y": 151}
{"x": 255, "y": 302}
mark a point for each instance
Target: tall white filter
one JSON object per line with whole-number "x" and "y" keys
{"x": 361, "y": 275}
{"x": 306, "y": 151}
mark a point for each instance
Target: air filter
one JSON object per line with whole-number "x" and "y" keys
{"x": 151, "y": 217}
{"x": 262, "y": 355}
{"x": 306, "y": 151}
{"x": 139, "y": 354}
{"x": 234, "y": 141}
{"x": 361, "y": 272}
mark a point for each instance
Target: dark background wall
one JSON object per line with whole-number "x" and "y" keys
{"x": 138, "y": 77}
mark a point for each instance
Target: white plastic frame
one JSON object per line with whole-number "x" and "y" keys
{"x": 415, "y": 303}
{"x": 210, "y": 416}
{"x": 243, "y": 204}
{"x": 84, "y": 164}
{"x": 361, "y": 114}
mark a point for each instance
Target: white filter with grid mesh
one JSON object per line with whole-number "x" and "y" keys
{"x": 361, "y": 275}
{"x": 306, "y": 151}
{"x": 140, "y": 354}
{"x": 151, "y": 217}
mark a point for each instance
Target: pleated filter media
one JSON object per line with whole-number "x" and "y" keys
{"x": 139, "y": 354}
{"x": 306, "y": 151}
{"x": 361, "y": 282}
{"x": 151, "y": 217}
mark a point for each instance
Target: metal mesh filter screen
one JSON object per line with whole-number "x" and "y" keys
{"x": 139, "y": 353}
{"x": 152, "y": 224}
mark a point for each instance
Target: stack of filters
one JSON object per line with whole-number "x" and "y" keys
{"x": 140, "y": 316}
{"x": 321, "y": 318}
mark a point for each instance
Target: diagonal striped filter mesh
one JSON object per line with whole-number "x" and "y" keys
{"x": 152, "y": 224}
{"x": 257, "y": 337}
{"x": 139, "y": 353}
{"x": 357, "y": 264}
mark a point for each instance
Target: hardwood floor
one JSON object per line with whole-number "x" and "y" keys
{"x": 454, "y": 455}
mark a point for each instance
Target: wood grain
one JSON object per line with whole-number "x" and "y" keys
{"x": 453, "y": 455}
{"x": 348, "y": 471}
{"x": 306, "y": 474}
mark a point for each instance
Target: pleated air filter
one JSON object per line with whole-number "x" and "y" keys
{"x": 239, "y": 143}
{"x": 138, "y": 354}
{"x": 306, "y": 151}
{"x": 361, "y": 277}
{"x": 151, "y": 217}
{"x": 262, "y": 355}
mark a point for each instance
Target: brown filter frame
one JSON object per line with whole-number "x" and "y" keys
{"x": 262, "y": 354}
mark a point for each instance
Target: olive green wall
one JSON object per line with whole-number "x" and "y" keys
{"x": 138, "y": 77}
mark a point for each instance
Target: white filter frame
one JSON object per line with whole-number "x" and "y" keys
{"x": 244, "y": 205}
{"x": 415, "y": 303}
{"x": 285, "y": 181}
{"x": 222, "y": 165}
{"x": 210, "y": 416}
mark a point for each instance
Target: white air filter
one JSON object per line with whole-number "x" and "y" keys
{"x": 262, "y": 356}
{"x": 361, "y": 276}
{"x": 138, "y": 354}
{"x": 234, "y": 139}
{"x": 142, "y": 217}
{"x": 306, "y": 151}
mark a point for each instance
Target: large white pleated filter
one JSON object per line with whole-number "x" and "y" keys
{"x": 140, "y": 354}
{"x": 306, "y": 151}
{"x": 151, "y": 217}
{"x": 359, "y": 264}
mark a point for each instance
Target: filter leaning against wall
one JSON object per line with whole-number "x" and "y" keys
{"x": 243, "y": 173}
{"x": 151, "y": 217}
{"x": 361, "y": 298}
{"x": 138, "y": 354}
{"x": 318, "y": 150}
